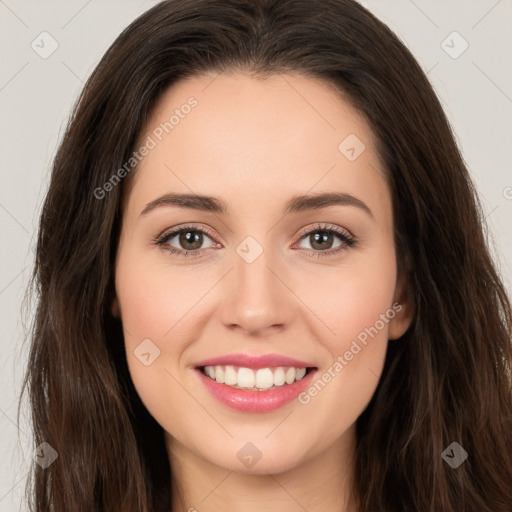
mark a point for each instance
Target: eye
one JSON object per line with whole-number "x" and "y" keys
{"x": 188, "y": 238}
{"x": 321, "y": 239}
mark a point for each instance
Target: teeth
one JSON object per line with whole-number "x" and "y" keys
{"x": 245, "y": 378}
{"x": 264, "y": 378}
{"x": 261, "y": 379}
{"x": 279, "y": 377}
{"x": 290, "y": 375}
{"x": 230, "y": 376}
{"x": 219, "y": 374}
{"x": 300, "y": 373}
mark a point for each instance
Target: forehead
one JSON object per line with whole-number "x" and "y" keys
{"x": 286, "y": 134}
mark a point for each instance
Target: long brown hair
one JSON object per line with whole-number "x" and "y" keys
{"x": 448, "y": 379}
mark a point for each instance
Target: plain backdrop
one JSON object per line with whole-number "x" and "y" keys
{"x": 470, "y": 71}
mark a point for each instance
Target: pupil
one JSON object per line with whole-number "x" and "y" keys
{"x": 320, "y": 239}
{"x": 191, "y": 237}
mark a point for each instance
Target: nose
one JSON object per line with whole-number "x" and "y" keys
{"x": 256, "y": 298}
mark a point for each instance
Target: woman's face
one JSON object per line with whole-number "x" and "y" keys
{"x": 259, "y": 285}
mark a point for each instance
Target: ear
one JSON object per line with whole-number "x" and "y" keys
{"x": 403, "y": 305}
{"x": 115, "y": 309}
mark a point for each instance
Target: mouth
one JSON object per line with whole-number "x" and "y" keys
{"x": 255, "y": 384}
{"x": 250, "y": 379}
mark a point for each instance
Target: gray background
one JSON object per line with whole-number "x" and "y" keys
{"x": 36, "y": 95}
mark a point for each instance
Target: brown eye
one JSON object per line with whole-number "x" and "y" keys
{"x": 190, "y": 240}
{"x": 185, "y": 241}
{"x": 322, "y": 239}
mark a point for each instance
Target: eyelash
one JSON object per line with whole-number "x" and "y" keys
{"x": 347, "y": 240}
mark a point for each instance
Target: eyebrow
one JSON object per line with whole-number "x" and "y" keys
{"x": 296, "y": 204}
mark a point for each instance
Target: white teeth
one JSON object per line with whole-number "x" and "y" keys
{"x": 290, "y": 376}
{"x": 300, "y": 373}
{"x": 264, "y": 379}
{"x": 261, "y": 379}
{"x": 245, "y": 378}
{"x": 219, "y": 374}
{"x": 279, "y": 377}
{"x": 230, "y": 376}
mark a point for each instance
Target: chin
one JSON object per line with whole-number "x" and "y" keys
{"x": 258, "y": 458}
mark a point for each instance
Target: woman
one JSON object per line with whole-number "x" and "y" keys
{"x": 190, "y": 352}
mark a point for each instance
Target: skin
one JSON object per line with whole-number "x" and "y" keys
{"x": 255, "y": 143}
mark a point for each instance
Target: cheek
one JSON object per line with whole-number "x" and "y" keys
{"x": 353, "y": 298}
{"x": 154, "y": 304}
{"x": 356, "y": 303}
{"x": 154, "y": 297}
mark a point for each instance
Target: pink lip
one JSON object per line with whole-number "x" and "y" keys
{"x": 254, "y": 362}
{"x": 256, "y": 401}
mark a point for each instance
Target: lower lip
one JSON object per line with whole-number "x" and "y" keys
{"x": 255, "y": 401}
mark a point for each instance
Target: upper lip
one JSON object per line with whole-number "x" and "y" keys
{"x": 254, "y": 362}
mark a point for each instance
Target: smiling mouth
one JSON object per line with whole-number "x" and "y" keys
{"x": 262, "y": 379}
